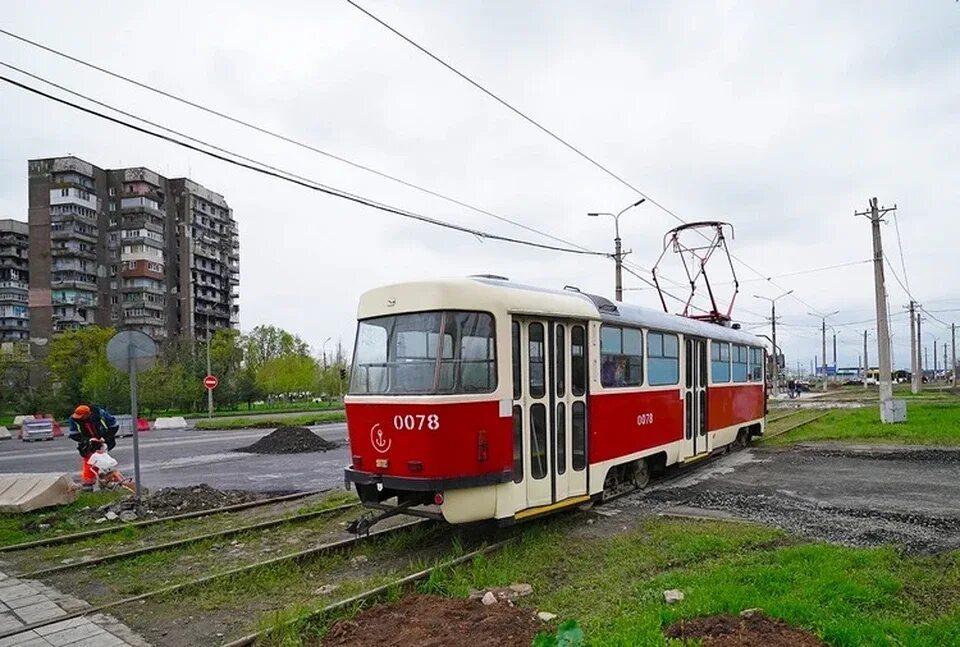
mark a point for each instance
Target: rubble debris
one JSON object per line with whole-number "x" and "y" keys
{"x": 289, "y": 440}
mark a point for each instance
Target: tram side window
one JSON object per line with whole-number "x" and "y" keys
{"x": 517, "y": 444}
{"x": 516, "y": 360}
{"x": 537, "y": 363}
{"x": 756, "y": 365}
{"x": 538, "y": 441}
{"x": 579, "y": 436}
{"x": 621, "y": 356}
{"x": 578, "y": 361}
{"x": 720, "y": 361}
{"x": 740, "y": 363}
{"x": 663, "y": 359}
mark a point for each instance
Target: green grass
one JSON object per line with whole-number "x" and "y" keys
{"x": 18, "y": 528}
{"x": 927, "y": 424}
{"x": 613, "y": 586}
{"x": 304, "y": 420}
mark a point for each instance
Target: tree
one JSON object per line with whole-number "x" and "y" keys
{"x": 269, "y": 342}
{"x": 226, "y": 362}
{"x": 71, "y": 355}
{"x": 105, "y": 385}
{"x": 287, "y": 374}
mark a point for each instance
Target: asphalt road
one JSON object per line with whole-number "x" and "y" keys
{"x": 190, "y": 457}
{"x": 853, "y": 495}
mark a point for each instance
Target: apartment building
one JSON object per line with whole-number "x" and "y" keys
{"x": 128, "y": 248}
{"x": 14, "y": 318}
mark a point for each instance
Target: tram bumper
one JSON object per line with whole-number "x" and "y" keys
{"x": 375, "y": 488}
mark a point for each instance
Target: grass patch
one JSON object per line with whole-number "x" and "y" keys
{"x": 927, "y": 424}
{"x": 305, "y": 420}
{"x": 613, "y": 586}
{"x": 40, "y": 524}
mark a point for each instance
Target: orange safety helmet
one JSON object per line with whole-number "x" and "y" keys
{"x": 81, "y": 412}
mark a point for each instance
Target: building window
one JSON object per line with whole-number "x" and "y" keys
{"x": 65, "y": 193}
{"x": 720, "y": 361}
{"x": 663, "y": 352}
{"x": 621, "y": 356}
{"x": 113, "y": 191}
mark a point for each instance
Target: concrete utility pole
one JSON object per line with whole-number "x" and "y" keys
{"x": 934, "y": 359}
{"x": 926, "y": 357}
{"x": 618, "y": 253}
{"x": 823, "y": 332}
{"x": 209, "y": 391}
{"x": 776, "y": 349}
{"x": 919, "y": 356}
{"x": 866, "y": 360}
{"x": 880, "y": 294}
{"x": 953, "y": 344}
{"x": 914, "y": 373}
{"x": 834, "y": 352}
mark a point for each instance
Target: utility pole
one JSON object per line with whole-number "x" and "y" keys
{"x": 953, "y": 344}
{"x": 776, "y": 349}
{"x": 866, "y": 360}
{"x": 934, "y": 359}
{"x": 823, "y": 332}
{"x": 880, "y": 294}
{"x": 834, "y": 352}
{"x": 618, "y": 253}
{"x": 914, "y": 373}
{"x": 919, "y": 345}
{"x": 926, "y": 357}
{"x": 209, "y": 391}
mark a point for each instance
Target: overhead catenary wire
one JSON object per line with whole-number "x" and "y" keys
{"x": 270, "y": 133}
{"x": 558, "y": 138}
{"x": 287, "y": 176}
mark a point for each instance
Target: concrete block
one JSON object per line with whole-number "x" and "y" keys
{"x": 19, "y": 420}
{"x": 100, "y": 640}
{"x": 176, "y": 422}
{"x": 77, "y": 634}
{"x": 19, "y": 590}
{"x": 40, "y": 611}
{"x": 893, "y": 411}
{"x": 26, "y": 492}
{"x": 9, "y": 621}
{"x": 26, "y": 601}
{"x": 60, "y": 626}
{"x": 5, "y": 433}
{"x": 28, "y": 639}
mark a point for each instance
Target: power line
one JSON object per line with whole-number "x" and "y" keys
{"x": 265, "y": 169}
{"x": 268, "y": 132}
{"x": 903, "y": 264}
{"x": 558, "y": 138}
{"x": 909, "y": 294}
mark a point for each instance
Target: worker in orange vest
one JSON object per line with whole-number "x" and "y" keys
{"x": 91, "y": 423}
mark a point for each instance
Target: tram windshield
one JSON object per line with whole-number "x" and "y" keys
{"x": 425, "y": 353}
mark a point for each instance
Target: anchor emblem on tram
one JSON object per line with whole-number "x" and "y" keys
{"x": 379, "y": 439}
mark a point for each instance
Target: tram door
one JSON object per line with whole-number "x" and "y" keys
{"x": 695, "y": 398}
{"x": 549, "y": 409}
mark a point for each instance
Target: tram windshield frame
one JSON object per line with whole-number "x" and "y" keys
{"x": 438, "y": 352}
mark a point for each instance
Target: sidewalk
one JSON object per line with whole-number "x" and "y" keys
{"x": 24, "y": 602}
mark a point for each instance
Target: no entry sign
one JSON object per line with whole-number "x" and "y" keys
{"x": 211, "y": 381}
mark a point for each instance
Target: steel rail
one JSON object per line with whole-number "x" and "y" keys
{"x": 144, "y": 550}
{"x": 797, "y": 425}
{"x": 374, "y": 593}
{"x": 63, "y": 539}
{"x": 202, "y": 581}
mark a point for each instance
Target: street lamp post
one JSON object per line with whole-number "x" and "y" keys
{"x": 823, "y": 330}
{"x": 324, "y": 350}
{"x": 617, "y": 253}
{"x": 773, "y": 323}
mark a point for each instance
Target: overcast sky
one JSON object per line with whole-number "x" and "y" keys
{"x": 781, "y": 118}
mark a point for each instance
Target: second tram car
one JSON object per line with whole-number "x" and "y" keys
{"x": 478, "y": 398}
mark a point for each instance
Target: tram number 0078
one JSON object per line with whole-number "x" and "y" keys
{"x": 416, "y": 422}
{"x": 645, "y": 419}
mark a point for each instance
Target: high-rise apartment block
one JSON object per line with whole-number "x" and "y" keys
{"x": 14, "y": 320}
{"x": 128, "y": 248}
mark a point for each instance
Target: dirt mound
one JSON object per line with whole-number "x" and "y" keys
{"x": 433, "y": 621}
{"x": 289, "y": 440}
{"x": 170, "y": 501}
{"x": 753, "y": 630}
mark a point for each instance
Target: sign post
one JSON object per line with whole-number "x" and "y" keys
{"x": 129, "y": 351}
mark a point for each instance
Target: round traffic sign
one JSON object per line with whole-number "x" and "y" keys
{"x": 131, "y": 348}
{"x": 211, "y": 381}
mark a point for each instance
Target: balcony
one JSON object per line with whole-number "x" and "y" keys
{"x": 70, "y": 252}
{"x": 73, "y": 283}
{"x": 71, "y": 234}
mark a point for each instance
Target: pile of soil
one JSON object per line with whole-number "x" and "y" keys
{"x": 433, "y": 621}
{"x": 170, "y": 501}
{"x": 289, "y": 440}
{"x": 753, "y": 630}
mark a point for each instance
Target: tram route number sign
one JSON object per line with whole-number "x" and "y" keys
{"x": 211, "y": 382}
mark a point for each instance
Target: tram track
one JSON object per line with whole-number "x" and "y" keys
{"x": 179, "y": 543}
{"x": 797, "y": 425}
{"x": 310, "y": 553}
{"x": 97, "y": 532}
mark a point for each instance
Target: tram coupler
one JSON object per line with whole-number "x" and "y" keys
{"x": 363, "y": 525}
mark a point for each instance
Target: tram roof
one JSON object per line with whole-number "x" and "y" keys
{"x": 498, "y": 294}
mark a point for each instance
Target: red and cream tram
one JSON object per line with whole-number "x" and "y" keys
{"x": 490, "y": 400}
